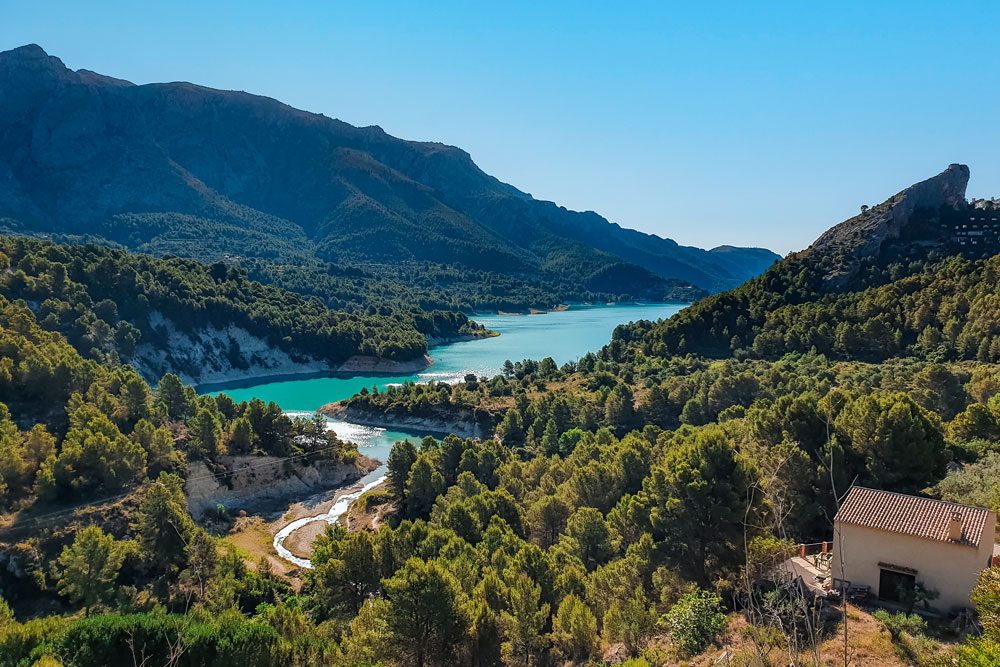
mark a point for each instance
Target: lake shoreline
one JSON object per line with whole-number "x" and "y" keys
{"x": 437, "y": 425}
{"x": 353, "y": 367}
{"x": 392, "y": 369}
{"x": 565, "y": 336}
{"x": 563, "y": 307}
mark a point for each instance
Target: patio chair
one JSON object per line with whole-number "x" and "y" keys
{"x": 859, "y": 594}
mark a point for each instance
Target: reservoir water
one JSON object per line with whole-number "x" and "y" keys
{"x": 563, "y": 335}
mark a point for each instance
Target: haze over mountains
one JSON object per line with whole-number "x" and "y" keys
{"x": 206, "y": 173}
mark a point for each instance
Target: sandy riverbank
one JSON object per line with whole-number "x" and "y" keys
{"x": 294, "y": 534}
{"x": 301, "y": 541}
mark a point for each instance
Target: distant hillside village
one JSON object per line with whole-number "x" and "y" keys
{"x": 977, "y": 231}
{"x": 972, "y": 229}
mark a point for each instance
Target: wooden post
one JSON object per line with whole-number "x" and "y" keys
{"x": 802, "y": 551}
{"x": 824, "y": 548}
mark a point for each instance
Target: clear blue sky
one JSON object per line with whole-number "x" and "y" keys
{"x": 710, "y": 123}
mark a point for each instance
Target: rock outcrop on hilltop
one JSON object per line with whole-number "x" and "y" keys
{"x": 865, "y": 234}
{"x": 855, "y": 291}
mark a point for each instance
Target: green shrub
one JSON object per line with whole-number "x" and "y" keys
{"x": 375, "y": 498}
{"x": 898, "y": 623}
{"x": 695, "y": 621}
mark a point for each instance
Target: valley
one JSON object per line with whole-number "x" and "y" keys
{"x": 578, "y": 330}
{"x": 277, "y": 389}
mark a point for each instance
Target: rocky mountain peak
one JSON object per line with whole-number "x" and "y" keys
{"x": 864, "y": 235}
{"x": 32, "y": 59}
{"x": 26, "y": 53}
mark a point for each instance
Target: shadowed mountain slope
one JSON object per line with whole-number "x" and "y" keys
{"x": 182, "y": 168}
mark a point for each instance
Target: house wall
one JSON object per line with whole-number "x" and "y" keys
{"x": 950, "y": 569}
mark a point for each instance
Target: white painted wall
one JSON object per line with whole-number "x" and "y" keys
{"x": 950, "y": 569}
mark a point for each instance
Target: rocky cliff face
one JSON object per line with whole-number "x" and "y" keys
{"x": 70, "y": 138}
{"x": 213, "y": 355}
{"x": 458, "y": 421}
{"x": 864, "y": 235}
{"x": 256, "y": 483}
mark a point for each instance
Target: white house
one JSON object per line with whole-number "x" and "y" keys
{"x": 889, "y": 541}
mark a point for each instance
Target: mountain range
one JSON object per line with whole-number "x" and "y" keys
{"x": 210, "y": 174}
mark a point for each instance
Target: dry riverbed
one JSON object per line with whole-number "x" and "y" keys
{"x": 254, "y": 535}
{"x": 300, "y": 543}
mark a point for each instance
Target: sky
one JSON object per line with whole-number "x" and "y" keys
{"x": 758, "y": 124}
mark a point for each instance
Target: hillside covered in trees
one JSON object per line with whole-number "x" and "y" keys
{"x": 103, "y": 437}
{"x": 657, "y": 478}
{"x": 112, "y": 306}
{"x": 627, "y": 510}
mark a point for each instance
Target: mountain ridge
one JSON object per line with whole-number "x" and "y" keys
{"x": 880, "y": 258}
{"x": 88, "y": 153}
{"x": 865, "y": 234}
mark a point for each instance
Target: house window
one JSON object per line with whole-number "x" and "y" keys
{"x": 894, "y": 586}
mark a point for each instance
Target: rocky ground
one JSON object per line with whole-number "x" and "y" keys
{"x": 459, "y": 421}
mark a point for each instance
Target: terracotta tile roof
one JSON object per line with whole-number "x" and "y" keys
{"x": 910, "y": 515}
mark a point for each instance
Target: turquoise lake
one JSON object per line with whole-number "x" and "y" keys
{"x": 564, "y": 336}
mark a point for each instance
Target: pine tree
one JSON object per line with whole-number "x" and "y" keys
{"x": 697, "y": 501}
{"x": 511, "y": 430}
{"x": 206, "y": 433}
{"x": 401, "y": 459}
{"x": 524, "y": 624}
{"x": 550, "y": 438}
{"x": 171, "y": 392}
{"x": 425, "y": 611}
{"x": 574, "y": 630}
{"x": 423, "y": 487}
{"x": 89, "y": 567}
{"x": 587, "y": 536}
{"x": 241, "y": 439}
{"x": 202, "y": 556}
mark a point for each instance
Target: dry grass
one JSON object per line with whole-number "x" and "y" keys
{"x": 361, "y": 516}
{"x": 251, "y": 538}
{"x": 868, "y": 646}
